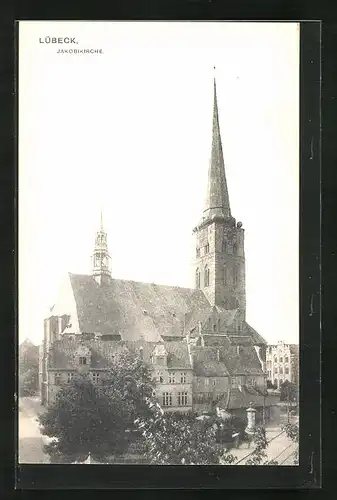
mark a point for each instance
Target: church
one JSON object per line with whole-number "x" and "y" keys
{"x": 202, "y": 351}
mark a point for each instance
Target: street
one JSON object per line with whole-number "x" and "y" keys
{"x": 280, "y": 448}
{"x": 30, "y": 439}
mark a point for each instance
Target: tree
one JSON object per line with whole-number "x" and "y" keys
{"x": 292, "y": 431}
{"x": 288, "y": 392}
{"x": 96, "y": 418}
{"x": 259, "y": 455}
{"x": 270, "y": 385}
{"x": 130, "y": 380}
{"x": 180, "y": 439}
{"x": 28, "y": 368}
{"x": 28, "y": 381}
{"x": 82, "y": 421}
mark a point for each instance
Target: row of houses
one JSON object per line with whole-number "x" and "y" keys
{"x": 193, "y": 373}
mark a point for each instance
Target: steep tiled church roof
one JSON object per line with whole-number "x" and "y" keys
{"x": 256, "y": 337}
{"x": 133, "y": 309}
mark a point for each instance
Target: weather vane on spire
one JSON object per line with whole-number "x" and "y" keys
{"x": 101, "y": 219}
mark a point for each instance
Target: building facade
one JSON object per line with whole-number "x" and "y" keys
{"x": 197, "y": 341}
{"x": 282, "y": 363}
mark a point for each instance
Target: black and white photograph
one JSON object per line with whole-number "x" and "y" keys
{"x": 158, "y": 256}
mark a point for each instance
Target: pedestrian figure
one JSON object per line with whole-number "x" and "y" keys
{"x": 236, "y": 437}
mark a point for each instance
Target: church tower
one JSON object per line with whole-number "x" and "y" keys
{"x": 101, "y": 258}
{"x": 220, "y": 257}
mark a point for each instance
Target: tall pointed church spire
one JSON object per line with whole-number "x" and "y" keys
{"x": 220, "y": 256}
{"x": 217, "y": 199}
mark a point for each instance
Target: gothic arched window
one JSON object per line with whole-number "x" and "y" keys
{"x": 197, "y": 278}
{"x": 235, "y": 249}
{"x": 235, "y": 274}
{"x": 206, "y": 276}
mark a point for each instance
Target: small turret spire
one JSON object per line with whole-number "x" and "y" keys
{"x": 101, "y": 257}
{"x": 217, "y": 199}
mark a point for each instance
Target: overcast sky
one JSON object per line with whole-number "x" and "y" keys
{"x": 130, "y": 129}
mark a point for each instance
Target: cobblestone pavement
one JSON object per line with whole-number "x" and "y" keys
{"x": 30, "y": 439}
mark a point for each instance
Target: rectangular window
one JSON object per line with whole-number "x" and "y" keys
{"x": 183, "y": 378}
{"x": 286, "y": 371}
{"x": 281, "y": 360}
{"x": 160, "y": 377}
{"x": 172, "y": 378}
{"x": 70, "y": 376}
{"x": 206, "y": 382}
{"x": 57, "y": 378}
{"x": 275, "y": 369}
{"x": 207, "y": 248}
{"x": 182, "y": 398}
{"x": 214, "y": 381}
{"x": 95, "y": 377}
{"x": 235, "y": 381}
{"x": 83, "y": 361}
{"x": 167, "y": 399}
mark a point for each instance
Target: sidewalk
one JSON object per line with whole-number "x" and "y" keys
{"x": 30, "y": 439}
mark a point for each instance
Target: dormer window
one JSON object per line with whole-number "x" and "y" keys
{"x": 57, "y": 378}
{"x": 83, "y": 360}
